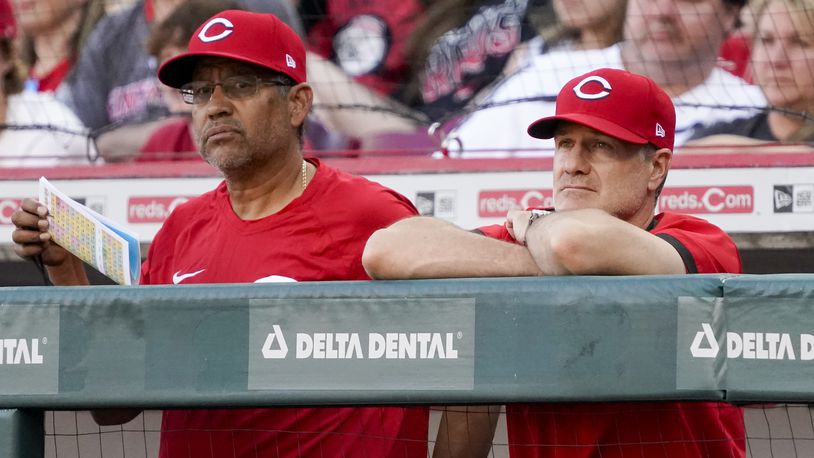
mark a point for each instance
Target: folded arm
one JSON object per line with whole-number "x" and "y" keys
{"x": 592, "y": 242}
{"x": 423, "y": 247}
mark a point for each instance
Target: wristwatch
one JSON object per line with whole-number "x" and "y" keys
{"x": 535, "y": 215}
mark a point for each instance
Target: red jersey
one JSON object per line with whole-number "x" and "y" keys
{"x": 640, "y": 429}
{"x": 318, "y": 236}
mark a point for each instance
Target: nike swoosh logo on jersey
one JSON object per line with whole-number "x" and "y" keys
{"x": 178, "y": 277}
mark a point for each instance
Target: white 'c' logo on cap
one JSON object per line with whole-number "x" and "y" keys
{"x": 593, "y": 79}
{"x": 218, "y": 20}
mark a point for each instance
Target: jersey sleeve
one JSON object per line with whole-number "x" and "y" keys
{"x": 496, "y": 231}
{"x": 379, "y": 207}
{"x": 704, "y": 247}
{"x": 396, "y": 206}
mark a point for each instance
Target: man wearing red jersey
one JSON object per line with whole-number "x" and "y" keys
{"x": 613, "y": 133}
{"x": 275, "y": 217}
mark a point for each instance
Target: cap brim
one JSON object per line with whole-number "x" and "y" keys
{"x": 546, "y": 127}
{"x": 177, "y": 71}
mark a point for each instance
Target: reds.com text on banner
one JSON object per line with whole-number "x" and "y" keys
{"x": 495, "y": 203}
{"x": 708, "y": 199}
{"x": 152, "y": 209}
{"x": 7, "y": 207}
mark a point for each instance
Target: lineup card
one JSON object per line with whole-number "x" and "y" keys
{"x": 90, "y": 236}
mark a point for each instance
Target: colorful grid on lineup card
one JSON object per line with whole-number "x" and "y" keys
{"x": 112, "y": 257}
{"x": 71, "y": 229}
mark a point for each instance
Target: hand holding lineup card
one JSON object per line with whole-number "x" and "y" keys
{"x": 90, "y": 236}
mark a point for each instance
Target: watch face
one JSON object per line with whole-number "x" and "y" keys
{"x": 535, "y": 215}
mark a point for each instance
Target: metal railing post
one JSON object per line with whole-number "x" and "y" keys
{"x": 21, "y": 433}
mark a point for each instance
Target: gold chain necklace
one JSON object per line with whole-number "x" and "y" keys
{"x": 304, "y": 175}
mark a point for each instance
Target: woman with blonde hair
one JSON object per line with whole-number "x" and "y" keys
{"x": 783, "y": 67}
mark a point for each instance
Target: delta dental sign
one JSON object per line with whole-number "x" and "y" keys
{"x": 348, "y": 345}
{"x": 29, "y": 349}
{"x": 362, "y": 344}
{"x": 754, "y": 345}
{"x": 20, "y": 351}
{"x": 740, "y": 344}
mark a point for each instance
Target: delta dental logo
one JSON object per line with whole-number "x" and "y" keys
{"x": 21, "y": 351}
{"x": 362, "y": 343}
{"x": 753, "y": 345}
{"x": 29, "y": 348}
{"x": 349, "y": 345}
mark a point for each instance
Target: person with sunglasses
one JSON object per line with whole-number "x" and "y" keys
{"x": 275, "y": 217}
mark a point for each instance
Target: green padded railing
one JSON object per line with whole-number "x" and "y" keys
{"x": 701, "y": 337}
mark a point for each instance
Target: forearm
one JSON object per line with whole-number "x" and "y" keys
{"x": 372, "y": 114}
{"x": 123, "y": 144}
{"x": 592, "y": 242}
{"x": 69, "y": 273}
{"x": 431, "y": 248}
{"x": 546, "y": 240}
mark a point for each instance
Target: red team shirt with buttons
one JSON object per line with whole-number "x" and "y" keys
{"x": 318, "y": 236}
{"x": 642, "y": 429}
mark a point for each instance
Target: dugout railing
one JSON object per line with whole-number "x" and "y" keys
{"x": 739, "y": 339}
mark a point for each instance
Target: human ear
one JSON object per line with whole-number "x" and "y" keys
{"x": 300, "y": 99}
{"x": 660, "y": 165}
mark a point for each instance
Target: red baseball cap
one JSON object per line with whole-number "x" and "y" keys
{"x": 618, "y": 103}
{"x": 8, "y": 26}
{"x": 255, "y": 38}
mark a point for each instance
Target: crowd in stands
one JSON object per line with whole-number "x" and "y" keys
{"x": 39, "y": 130}
{"x": 781, "y": 60}
{"x": 674, "y": 43}
{"x": 80, "y": 75}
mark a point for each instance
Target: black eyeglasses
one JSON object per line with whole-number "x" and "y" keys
{"x": 234, "y": 87}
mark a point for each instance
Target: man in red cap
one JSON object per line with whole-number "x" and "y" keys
{"x": 275, "y": 217}
{"x": 613, "y": 133}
